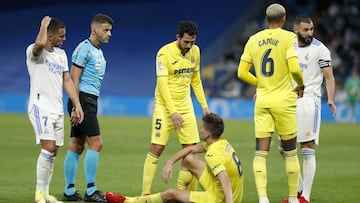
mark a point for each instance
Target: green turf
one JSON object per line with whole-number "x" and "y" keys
{"x": 126, "y": 142}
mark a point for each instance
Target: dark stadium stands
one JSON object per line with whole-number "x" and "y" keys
{"x": 141, "y": 27}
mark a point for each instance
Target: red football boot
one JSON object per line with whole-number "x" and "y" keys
{"x": 114, "y": 198}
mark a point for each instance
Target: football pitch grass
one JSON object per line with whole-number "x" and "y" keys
{"x": 126, "y": 142}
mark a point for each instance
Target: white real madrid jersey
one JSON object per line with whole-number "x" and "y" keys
{"x": 46, "y": 79}
{"x": 312, "y": 59}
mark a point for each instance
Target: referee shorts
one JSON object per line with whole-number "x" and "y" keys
{"x": 90, "y": 125}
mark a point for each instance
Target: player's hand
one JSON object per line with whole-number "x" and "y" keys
{"x": 167, "y": 172}
{"x": 77, "y": 115}
{"x": 45, "y": 21}
{"x": 177, "y": 120}
{"x": 254, "y": 97}
{"x": 332, "y": 107}
{"x": 206, "y": 111}
{"x": 300, "y": 91}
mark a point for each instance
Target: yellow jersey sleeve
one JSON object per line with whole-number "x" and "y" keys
{"x": 162, "y": 82}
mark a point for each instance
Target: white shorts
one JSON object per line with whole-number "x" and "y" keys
{"x": 47, "y": 125}
{"x": 308, "y": 113}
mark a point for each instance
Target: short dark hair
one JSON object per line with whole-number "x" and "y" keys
{"x": 54, "y": 25}
{"x": 213, "y": 123}
{"x": 302, "y": 19}
{"x": 102, "y": 18}
{"x": 187, "y": 27}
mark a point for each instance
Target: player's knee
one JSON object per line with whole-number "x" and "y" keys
{"x": 289, "y": 145}
{"x": 189, "y": 160}
{"x": 96, "y": 146}
{"x": 157, "y": 149}
{"x": 51, "y": 148}
{"x": 263, "y": 144}
{"x": 310, "y": 144}
{"x": 78, "y": 149}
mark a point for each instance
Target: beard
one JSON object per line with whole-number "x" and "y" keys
{"x": 305, "y": 40}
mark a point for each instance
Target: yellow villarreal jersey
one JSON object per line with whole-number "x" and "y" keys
{"x": 268, "y": 51}
{"x": 221, "y": 156}
{"x": 179, "y": 70}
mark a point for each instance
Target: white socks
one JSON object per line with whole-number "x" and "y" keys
{"x": 309, "y": 168}
{"x": 44, "y": 170}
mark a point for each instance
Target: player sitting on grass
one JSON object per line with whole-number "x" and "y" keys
{"x": 219, "y": 175}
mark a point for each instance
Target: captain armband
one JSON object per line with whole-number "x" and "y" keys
{"x": 324, "y": 63}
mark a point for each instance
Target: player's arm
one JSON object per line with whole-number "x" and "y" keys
{"x": 168, "y": 168}
{"x": 198, "y": 89}
{"x": 244, "y": 73}
{"x": 77, "y": 114}
{"x": 163, "y": 87}
{"x": 41, "y": 38}
{"x": 226, "y": 185}
{"x": 75, "y": 75}
{"x": 162, "y": 84}
{"x": 330, "y": 87}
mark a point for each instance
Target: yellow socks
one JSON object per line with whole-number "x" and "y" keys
{"x": 292, "y": 169}
{"x": 186, "y": 180}
{"x": 259, "y": 168}
{"x": 154, "y": 198}
{"x": 150, "y": 167}
{"x": 193, "y": 184}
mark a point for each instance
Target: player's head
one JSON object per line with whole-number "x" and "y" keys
{"x": 56, "y": 32}
{"x": 212, "y": 125}
{"x": 101, "y": 26}
{"x": 304, "y": 29}
{"x": 186, "y": 35}
{"x": 276, "y": 14}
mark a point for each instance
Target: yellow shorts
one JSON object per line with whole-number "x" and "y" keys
{"x": 210, "y": 194}
{"x": 279, "y": 119}
{"x": 212, "y": 191}
{"x": 162, "y": 127}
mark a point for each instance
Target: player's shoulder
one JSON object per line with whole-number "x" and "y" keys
{"x": 195, "y": 50}
{"x": 257, "y": 35}
{"x": 317, "y": 43}
{"x": 196, "y": 47}
{"x": 167, "y": 48}
{"x": 287, "y": 34}
{"x": 83, "y": 46}
{"x": 169, "y": 45}
{"x": 319, "y": 46}
{"x": 30, "y": 47}
{"x": 85, "y": 43}
{"x": 59, "y": 50}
